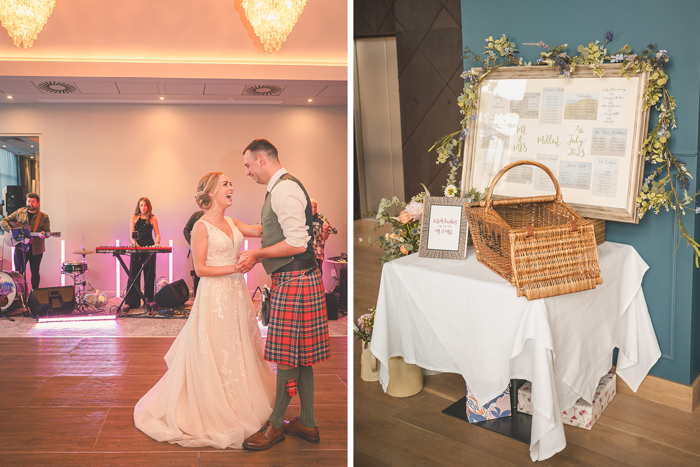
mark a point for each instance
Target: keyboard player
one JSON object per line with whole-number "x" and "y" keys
{"x": 143, "y": 227}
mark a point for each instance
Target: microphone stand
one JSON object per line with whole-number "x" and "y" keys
{"x": 24, "y": 264}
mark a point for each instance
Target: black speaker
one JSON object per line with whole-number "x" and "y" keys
{"x": 173, "y": 295}
{"x": 15, "y": 198}
{"x": 332, "y": 305}
{"x": 52, "y": 301}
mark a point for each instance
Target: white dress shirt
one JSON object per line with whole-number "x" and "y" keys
{"x": 289, "y": 204}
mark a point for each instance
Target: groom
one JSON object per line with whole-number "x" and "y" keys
{"x": 297, "y": 336}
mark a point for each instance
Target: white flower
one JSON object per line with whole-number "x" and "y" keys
{"x": 450, "y": 191}
{"x": 415, "y": 210}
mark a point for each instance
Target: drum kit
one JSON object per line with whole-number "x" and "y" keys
{"x": 14, "y": 289}
{"x": 76, "y": 270}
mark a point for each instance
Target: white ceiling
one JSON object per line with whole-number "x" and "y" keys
{"x": 184, "y": 51}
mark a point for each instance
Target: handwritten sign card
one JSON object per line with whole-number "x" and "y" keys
{"x": 587, "y": 130}
{"x": 444, "y": 228}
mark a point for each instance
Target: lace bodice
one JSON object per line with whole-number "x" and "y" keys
{"x": 220, "y": 250}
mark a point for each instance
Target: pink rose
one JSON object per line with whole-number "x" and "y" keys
{"x": 404, "y": 217}
{"x": 403, "y": 250}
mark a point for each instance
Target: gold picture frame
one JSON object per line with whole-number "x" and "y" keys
{"x": 588, "y": 130}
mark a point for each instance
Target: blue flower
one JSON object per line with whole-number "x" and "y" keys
{"x": 608, "y": 35}
{"x": 463, "y": 134}
{"x": 539, "y": 60}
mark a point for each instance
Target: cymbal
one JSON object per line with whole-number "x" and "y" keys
{"x": 83, "y": 252}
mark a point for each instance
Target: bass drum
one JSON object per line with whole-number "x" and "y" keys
{"x": 13, "y": 287}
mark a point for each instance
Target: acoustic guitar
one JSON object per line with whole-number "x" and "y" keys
{"x": 20, "y": 236}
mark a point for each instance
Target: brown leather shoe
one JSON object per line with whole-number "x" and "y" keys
{"x": 265, "y": 438}
{"x": 295, "y": 428}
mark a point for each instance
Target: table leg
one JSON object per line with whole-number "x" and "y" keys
{"x": 518, "y": 426}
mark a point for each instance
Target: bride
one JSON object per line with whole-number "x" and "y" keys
{"x": 218, "y": 389}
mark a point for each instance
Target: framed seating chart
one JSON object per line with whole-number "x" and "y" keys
{"x": 587, "y": 130}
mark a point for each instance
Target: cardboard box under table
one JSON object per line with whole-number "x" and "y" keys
{"x": 497, "y": 407}
{"x": 583, "y": 414}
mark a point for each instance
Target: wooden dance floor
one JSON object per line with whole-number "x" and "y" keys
{"x": 70, "y": 401}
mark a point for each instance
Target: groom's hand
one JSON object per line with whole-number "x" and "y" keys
{"x": 247, "y": 260}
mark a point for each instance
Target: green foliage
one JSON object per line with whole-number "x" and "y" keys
{"x": 659, "y": 190}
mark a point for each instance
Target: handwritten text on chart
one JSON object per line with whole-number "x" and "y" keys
{"x": 552, "y": 106}
{"x": 612, "y": 106}
{"x": 578, "y": 136}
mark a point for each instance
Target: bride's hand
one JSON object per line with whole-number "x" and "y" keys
{"x": 246, "y": 261}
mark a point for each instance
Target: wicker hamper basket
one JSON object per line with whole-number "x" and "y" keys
{"x": 539, "y": 244}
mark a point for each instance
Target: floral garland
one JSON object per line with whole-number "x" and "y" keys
{"x": 658, "y": 190}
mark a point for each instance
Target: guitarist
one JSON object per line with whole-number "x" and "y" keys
{"x": 37, "y": 221}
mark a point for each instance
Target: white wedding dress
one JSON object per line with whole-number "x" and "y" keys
{"x": 218, "y": 389}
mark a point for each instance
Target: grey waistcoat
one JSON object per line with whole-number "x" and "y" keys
{"x": 272, "y": 232}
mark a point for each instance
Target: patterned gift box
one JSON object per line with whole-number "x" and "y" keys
{"x": 495, "y": 408}
{"x": 582, "y": 414}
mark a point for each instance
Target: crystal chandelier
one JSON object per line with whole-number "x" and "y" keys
{"x": 273, "y": 20}
{"x": 24, "y": 19}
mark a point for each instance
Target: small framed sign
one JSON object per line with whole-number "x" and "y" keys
{"x": 444, "y": 228}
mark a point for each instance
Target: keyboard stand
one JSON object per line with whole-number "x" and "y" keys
{"x": 131, "y": 285}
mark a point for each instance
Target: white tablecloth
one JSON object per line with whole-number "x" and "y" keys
{"x": 461, "y": 317}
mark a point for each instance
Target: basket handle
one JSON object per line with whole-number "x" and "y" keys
{"x": 487, "y": 202}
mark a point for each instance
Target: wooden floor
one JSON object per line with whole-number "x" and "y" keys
{"x": 70, "y": 401}
{"x": 413, "y": 431}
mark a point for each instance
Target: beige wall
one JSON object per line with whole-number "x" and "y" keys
{"x": 97, "y": 160}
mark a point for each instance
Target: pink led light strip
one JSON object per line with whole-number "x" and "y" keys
{"x": 63, "y": 260}
{"x": 59, "y": 319}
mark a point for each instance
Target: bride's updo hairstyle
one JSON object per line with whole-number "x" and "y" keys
{"x": 207, "y": 184}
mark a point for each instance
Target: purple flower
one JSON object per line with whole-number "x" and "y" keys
{"x": 539, "y": 60}
{"x": 463, "y": 134}
{"x": 608, "y": 35}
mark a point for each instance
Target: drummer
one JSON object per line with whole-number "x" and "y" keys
{"x": 37, "y": 221}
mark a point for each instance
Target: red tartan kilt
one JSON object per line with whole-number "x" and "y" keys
{"x": 298, "y": 330}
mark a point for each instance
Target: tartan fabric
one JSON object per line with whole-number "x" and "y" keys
{"x": 298, "y": 330}
{"x": 291, "y": 386}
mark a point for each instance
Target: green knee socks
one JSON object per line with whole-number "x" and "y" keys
{"x": 306, "y": 396}
{"x": 282, "y": 399}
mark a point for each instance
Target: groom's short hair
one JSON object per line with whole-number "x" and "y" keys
{"x": 264, "y": 146}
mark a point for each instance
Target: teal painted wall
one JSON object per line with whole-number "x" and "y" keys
{"x": 672, "y": 284}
